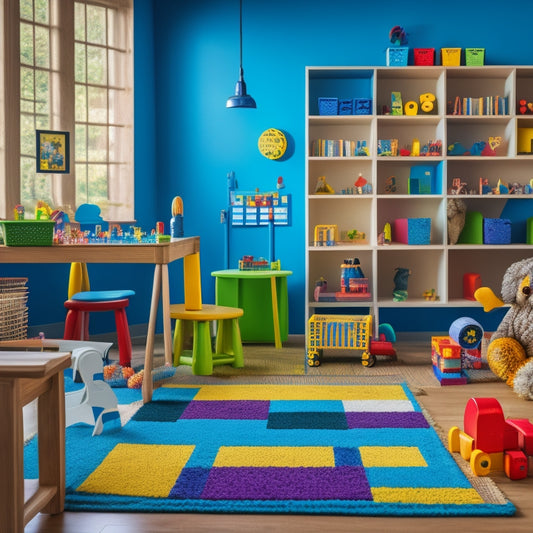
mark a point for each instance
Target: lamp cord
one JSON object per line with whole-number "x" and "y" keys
{"x": 240, "y": 34}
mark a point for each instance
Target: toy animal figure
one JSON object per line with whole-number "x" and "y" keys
{"x": 510, "y": 352}
{"x": 456, "y": 212}
{"x": 399, "y": 294}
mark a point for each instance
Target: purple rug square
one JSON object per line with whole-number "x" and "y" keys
{"x": 280, "y": 483}
{"x": 227, "y": 410}
{"x": 367, "y": 420}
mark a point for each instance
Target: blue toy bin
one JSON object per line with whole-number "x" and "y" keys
{"x": 328, "y": 106}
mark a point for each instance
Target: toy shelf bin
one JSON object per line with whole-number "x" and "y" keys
{"x": 450, "y": 57}
{"x": 424, "y": 56}
{"x": 28, "y": 232}
{"x": 397, "y": 57}
{"x": 474, "y": 57}
{"x": 328, "y": 106}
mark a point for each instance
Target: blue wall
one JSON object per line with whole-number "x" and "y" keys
{"x": 186, "y": 141}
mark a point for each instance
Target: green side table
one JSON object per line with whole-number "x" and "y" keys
{"x": 263, "y": 296}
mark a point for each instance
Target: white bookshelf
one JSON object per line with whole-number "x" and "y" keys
{"x": 439, "y": 265}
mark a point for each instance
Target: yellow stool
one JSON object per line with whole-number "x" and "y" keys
{"x": 228, "y": 346}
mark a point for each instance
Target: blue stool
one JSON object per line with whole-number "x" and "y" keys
{"x": 82, "y": 303}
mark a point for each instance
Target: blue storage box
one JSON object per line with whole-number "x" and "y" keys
{"x": 345, "y": 106}
{"x": 421, "y": 180}
{"x": 397, "y": 57}
{"x": 362, "y": 106}
{"x": 496, "y": 231}
{"x": 412, "y": 230}
{"x": 328, "y": 106}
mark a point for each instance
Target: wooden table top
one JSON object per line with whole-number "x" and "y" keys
{"x": 15, "y": 364}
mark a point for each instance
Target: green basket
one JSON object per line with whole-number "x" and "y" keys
{"x": 28, "y": 232}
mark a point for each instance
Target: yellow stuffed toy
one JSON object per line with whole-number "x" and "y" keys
{"x": 510, "y": 351}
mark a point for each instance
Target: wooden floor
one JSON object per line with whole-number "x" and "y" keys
{"x": 444, "y": 404}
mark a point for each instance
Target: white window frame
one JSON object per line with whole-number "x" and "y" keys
{"x": 62, "y": 109}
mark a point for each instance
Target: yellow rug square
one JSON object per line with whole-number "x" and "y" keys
{"x": 275, "y": 456}
{"x": 160, "y": 464}
{"x": 394, "y": 456}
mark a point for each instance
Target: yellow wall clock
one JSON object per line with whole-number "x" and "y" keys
{"x": 272, "y": 143}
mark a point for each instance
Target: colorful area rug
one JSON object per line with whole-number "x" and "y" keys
{"x": 314, "y": 449}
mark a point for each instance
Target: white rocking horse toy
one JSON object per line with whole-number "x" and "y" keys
{"x": 95, "y": 395}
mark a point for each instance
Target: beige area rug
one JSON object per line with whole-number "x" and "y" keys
{"x": 288, "y": 365}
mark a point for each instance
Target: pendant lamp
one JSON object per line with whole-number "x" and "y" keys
{"x": 240, "y": 98}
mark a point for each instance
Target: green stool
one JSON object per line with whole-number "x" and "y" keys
{"x": 228, "y": 345}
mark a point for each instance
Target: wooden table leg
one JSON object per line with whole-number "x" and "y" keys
{"x": 51, "y": 431}
{"x": 275, "y": 312}
{"x": 148, "y": 386}
{"x": 167, "y": 331}
{"x": 11, "y": 458}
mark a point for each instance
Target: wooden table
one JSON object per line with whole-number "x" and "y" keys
{"x": 160, "y": 254}
{"x": 25, "y": 376}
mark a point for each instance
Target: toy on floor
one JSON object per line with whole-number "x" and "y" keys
{"x": 348, "y": 332}
{"x": 119, "y": 376}
{"x": 510, "y": 352}
{"x": 492, "y": 443}
{"x": 96, "y": 396}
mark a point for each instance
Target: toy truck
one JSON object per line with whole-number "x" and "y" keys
{"x": 492, "y": 443}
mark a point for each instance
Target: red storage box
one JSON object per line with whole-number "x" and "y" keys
{"x": 424, "y": 56}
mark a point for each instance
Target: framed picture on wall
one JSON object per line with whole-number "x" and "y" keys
{"x": 53, "y": 151}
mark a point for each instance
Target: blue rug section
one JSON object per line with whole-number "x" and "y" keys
{"x": 246, "y": 450}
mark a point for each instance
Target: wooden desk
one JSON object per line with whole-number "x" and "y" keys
{"x": 158, "y": 254}
{"x": 25, "y": 376}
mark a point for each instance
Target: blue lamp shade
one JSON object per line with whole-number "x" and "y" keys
{"x": 241, "y": 98}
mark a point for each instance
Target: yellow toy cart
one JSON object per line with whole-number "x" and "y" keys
{"x": 346, "y": 332}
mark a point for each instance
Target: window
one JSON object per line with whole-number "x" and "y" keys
{"x": 75, "y": 74}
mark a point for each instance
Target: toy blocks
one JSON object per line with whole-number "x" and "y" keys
{"x": 412, "y": 230}
{"x": 446, "y": 357}
{"x": 492, "y": 443}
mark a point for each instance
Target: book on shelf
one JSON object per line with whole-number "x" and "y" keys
{"x": 482, "y": 105}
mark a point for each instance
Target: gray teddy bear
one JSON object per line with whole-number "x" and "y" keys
{"x": 510, "y": 351}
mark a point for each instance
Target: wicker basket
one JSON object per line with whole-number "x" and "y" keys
{"x": 13, "y": 309}
{"x": 28, "y": 232}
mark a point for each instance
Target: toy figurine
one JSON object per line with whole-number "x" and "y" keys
{"x": 399, "y": 294}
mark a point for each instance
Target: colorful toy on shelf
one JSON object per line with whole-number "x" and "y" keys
{"x": 18, "y": 212}
{"x": 510, "y": 352}
{"x": 401, "y": 278}
{"x": 355, "y": 235}
{"x": 390, "y": 185}
{"x": 430, "y": 295}
{"x": 326, "y": 235}
{"x": 490, "y": 442}
{"x": 322, "y": 186}
{"x": 176, "y": 222}
{"x": 249, "y": 263}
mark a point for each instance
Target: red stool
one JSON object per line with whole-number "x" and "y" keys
{"x": 83, "y": 303}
